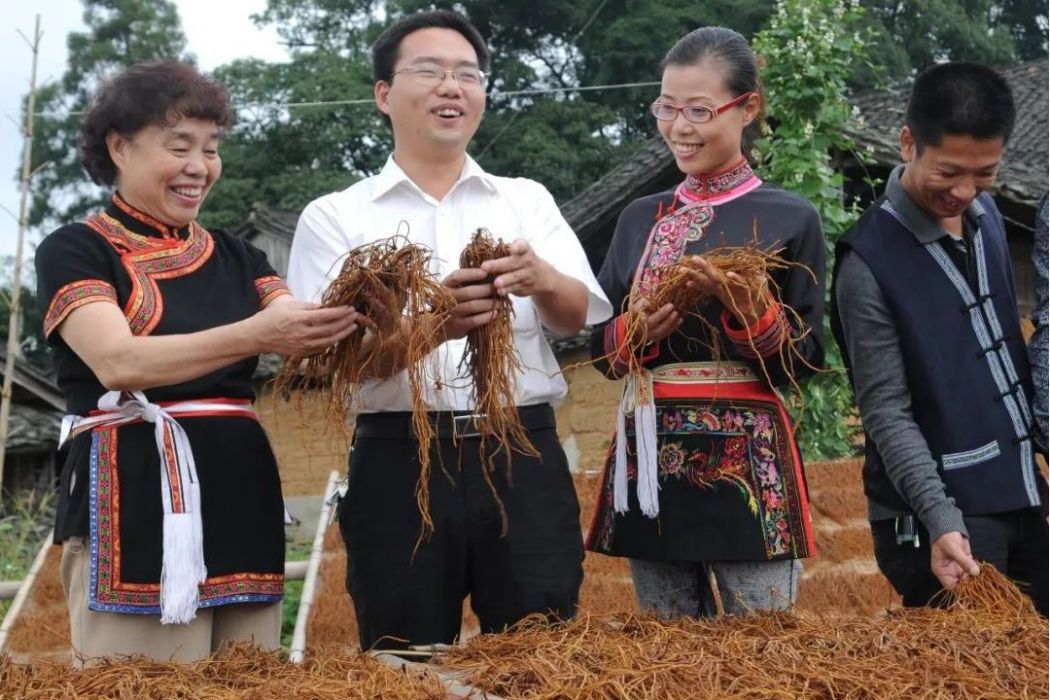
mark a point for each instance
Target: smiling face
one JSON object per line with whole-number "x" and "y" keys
{"x": 944, "y": 179}
{"x": 167, "y": 171}
{"x": 712, "y": 147}
{"x": 428, "y": 118}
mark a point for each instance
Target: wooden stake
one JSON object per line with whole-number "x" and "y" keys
{"x": 16, "y": 291}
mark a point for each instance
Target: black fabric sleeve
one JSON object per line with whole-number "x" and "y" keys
{"x": 802, "y": 289}
{"x": 615, "y": 278}
{"x": 74, "y": 267}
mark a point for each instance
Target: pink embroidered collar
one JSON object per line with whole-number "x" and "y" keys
{"x": 738, "y": 180}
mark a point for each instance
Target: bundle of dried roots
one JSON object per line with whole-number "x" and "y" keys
{"x": 391, "y": 284}
{"x": 752, "y": 266}
{"x": 492, "y": 361}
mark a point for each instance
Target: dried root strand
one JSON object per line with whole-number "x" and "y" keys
{"x": 492, "y": 361}
{"x": 238, "y": 672}
{"x": 754, "y": 265}
{"x": 989, "y": 643}
{"x": 390, "y": 282}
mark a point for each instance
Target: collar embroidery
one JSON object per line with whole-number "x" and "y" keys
{"x": 704, "y": 186}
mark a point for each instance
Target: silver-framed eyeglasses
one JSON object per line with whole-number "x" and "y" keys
{"x": 432, "y": 75}
{"x": 698, "y": 114}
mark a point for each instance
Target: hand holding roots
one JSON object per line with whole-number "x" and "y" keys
{"x": 492, "y": 360}
{"x": 742, "y": 281}
{"x": 389, "y": 282}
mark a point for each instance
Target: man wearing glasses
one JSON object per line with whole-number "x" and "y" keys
{"x": 524, "y": 555}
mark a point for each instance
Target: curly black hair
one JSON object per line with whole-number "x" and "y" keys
{"x": 155, "y": 92}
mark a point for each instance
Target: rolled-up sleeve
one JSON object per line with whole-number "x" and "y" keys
{"x": 554, "y": 240}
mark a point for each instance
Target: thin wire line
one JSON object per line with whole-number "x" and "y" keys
{"x": 369, "y": 101}
{"x": 498, "y": 134}
{"x": 586, "y": 24}
{"x": 514, "y": 117}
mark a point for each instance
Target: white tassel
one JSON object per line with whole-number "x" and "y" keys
{"x": 645, "y": 442}
{"x": 182, "y": 569}
{"x": 620, "y": 472}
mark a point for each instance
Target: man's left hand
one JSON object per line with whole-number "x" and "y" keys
{"x": 522, "y": 273}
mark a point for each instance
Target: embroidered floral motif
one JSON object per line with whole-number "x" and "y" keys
{"x": 745, "y": 451}
{"x": 269, "y": 288}
{"x": 108, "y": 593}
{"x": 73, "y": 296}
{"x": 671, "y": 459}
{"x": 149, "y": 259}
{"x": 667, "y": 241}
{"x": 710, "y": 185}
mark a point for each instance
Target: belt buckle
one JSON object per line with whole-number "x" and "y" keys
{"x": 465, "y": 426}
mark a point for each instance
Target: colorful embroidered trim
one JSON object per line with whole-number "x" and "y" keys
{"x": 750, "y": 451}
{"x": 763, "y": 338}
{"x": 269, "y": 288}
{"x": 108, "y": 593}
{"x": 614, "y": 342}
{"x": 164, "y": 230}
{"x": 667, "y": 241}
{"x": 712, "y": 186}
{"x": 704, "y": 373}
{"x": 147, "y": 260}
{"x": 73, "y": 296}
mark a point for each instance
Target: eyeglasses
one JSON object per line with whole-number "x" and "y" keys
{"x": 698, "y": 114}
{"x": 433, "y": 75}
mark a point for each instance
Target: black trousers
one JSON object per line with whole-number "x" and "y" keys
{"x": 536, "y": 567}
{"x": 1015, "y": 543}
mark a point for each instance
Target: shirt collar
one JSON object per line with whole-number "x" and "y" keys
{"x": 923, "y": 226}
{"x": 392, "y": 175}
{"x": 142, "y": 223}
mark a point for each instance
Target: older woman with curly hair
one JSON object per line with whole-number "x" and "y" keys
{"x": 170, "y": 510}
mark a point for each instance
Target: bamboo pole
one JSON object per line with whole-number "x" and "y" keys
{"x": 23, "y": 592}
{"x": 297, "y": 650}
{"x": 16, "y": 291}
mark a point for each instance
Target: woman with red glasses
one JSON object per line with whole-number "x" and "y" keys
{"x": 704, "y": 482}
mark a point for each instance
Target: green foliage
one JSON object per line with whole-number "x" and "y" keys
{"x": 293, "y": 593}
{"x": 286, "y": 157}
{"x": 630, "y": 38}
{"x": 25, "y": 521}
{"x": 810, "y": 49}
{"x": 915, "y": 34}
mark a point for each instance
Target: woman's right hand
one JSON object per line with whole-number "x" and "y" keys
{"x": 300, "y": 329}
{"x": 657, "y": 325}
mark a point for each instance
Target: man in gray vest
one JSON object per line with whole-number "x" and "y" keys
{"x": 924, "y": 311}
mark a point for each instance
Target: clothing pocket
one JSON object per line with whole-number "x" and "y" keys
{"x": 969, "y": 458}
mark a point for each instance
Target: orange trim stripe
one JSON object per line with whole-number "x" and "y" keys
{"x": 72, "y": 297}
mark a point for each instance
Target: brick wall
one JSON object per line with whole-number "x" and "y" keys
{"x": 308, "y": 446}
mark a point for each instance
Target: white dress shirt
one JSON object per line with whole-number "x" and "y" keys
{"x": 510, "y": 208}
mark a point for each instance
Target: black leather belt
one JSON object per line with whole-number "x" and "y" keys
{"x": 448, "y": 425}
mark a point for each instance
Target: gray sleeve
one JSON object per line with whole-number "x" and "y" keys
{"x": 884, "y": 399}
{"x": 1037, "y": 348}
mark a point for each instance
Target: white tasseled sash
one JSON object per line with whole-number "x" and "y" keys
{"x": 183, "y": 557}
{"x": 638, "y": 399}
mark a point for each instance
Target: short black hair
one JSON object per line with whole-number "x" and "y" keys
{"x": 387, "y": 48}
{"x": 961, "y": 99}
{"x": 731, "y": 50}
{"x": 155, "y": 92}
